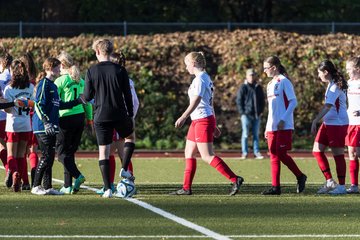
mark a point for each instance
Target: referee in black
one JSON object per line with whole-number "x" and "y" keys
{"x": 108, "y": 84}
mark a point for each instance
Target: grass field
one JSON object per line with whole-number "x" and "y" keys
{"x": 208, "y": 214}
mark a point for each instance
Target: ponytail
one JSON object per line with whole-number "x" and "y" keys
{"x": 69, "y": 66}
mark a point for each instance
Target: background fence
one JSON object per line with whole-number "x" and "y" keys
{"x": 52, "y": 29}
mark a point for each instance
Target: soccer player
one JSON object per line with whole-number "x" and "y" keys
{"x": 280, "y": 124}
{"x": 71, "y": 122}
{"x": 18, "y": 125}
{"x": 46, "y": 122}
{"x": 5, "y": 62}
{"x": 32, "y": 147}
{"x": 332, "y": 131}
{"x": 203, "y": 126}
{"x": 119, "y": 143}
{"x": 108, "y": 84}
{"x": 353, "y": 133}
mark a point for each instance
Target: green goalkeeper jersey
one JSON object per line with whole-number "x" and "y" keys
{"x": 69, "y": 90}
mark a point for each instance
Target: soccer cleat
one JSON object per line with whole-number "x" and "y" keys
{"x": 181, "y": 192}
{"x": 52, "y": 191}
{"x": 16, "y": 182}
{"x": 126, "y": 174}
{"x": 258, "y": 155}
{"x": 101, "y": 190}
{"x": 274, "y": 190}
{"x": 66, "y": 190}
{"x": 301, "y": 183}
{"x": 236, "y": 186}
{"x": 25, "y": 187}
{"x": 328, "y": 186}
{"x": 80, "y": 180}
{"x": 353, "y": 189}
{"x": 338, "y": 190}
{"x": 8, "y": 179}
{"x": 107, "y": 194}
{"x": 38, "y": 190}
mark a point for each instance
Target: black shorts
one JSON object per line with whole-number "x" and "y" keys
{"x": 104, "y": 130}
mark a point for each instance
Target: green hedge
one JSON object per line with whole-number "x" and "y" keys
{"x": 155, "y": 63}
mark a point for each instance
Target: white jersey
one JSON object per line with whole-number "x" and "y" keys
{"x": 353, "y": 94}
{"x": 337, "y": 114}
{"x": 279, "y": 92}
{"x": 18, "y": 120}
{"x": 5, "y": 78}
{"x": 134, "y": 97}
{"x": 202, "y": 86}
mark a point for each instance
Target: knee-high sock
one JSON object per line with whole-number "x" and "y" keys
{"x": 24, "y": 170}
{"x": 34, "y": 160}
{"x": 289, "y": 162}
{"x": 275, "y": 170}
{"x": 354, "y": 171}
{"x": 3, "y": 157}
{"x": 112, "y": 168}
{"x": 222, "y": 168}
{"x": 12, "y": 164}
{"x": 323, "y": 164}
{"x": 340, "y": 168}
{"x": 104, "y": 168}
{"x": 190, "y": 169}
{"x": 128, "y": 152}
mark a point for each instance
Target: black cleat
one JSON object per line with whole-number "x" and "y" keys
{"x": 301, "y": 183}
{"x": 8, "y": 179}
{"x": 272, "y": 191}
{"x": 236, "y": 186}
{"x": 25, "y": 187}
{"x": 181, "y": 192}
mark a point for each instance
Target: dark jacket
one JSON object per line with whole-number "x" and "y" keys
{"x": 250, "y": 100}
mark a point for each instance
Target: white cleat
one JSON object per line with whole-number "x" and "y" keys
{"x": 353, "y": 189}
{"x": 52, "y": 191}
{"x": 339, "y": 190}
{"x": 38, "y": 190}
{"x": 328, "y": 186}
{"x": 107, "y": 194}
{"x": 126, "y": 174}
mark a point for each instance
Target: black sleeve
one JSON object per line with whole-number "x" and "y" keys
{"x": 127, "y": 92}
{"x": 68, "y": 105}
{"x": 240, "y": 100}
{"x": 89, "y": 91}
{"x": 6, "y": 105}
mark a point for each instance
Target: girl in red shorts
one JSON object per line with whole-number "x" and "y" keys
{"x": 203, "y": 127}
{"x": 353, "y": 134}
{"x": 280, "y": 124}
{"x": 333, "y": 130}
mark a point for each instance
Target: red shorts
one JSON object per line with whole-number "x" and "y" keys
{"x": 331, "y": 135}
{"x": 116, "y": 136}
{"x": 202, "y": 130}
{"x": 17, "y": 136}
{"x": 2, "y": 129}
{"x": 281, "y": 139}
{"x": 32, "y": 140}
{"x": 353, "y": 136}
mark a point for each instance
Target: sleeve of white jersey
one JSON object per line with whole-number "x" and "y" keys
{"x": 289, "y": 89}
{"x": 199, "y": 87}
{"x": 134, "y": 97}
{"x": 332, "y": 94}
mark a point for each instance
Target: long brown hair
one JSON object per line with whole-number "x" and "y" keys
{"x": 29, "y": 62}
{"x": 336, "y": 75}
{"x": 19, "y": 75}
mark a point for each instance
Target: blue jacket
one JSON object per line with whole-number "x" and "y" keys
{"x": 47, "y": 105}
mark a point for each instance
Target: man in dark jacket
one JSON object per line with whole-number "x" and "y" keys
{"x": 250, "y": 103}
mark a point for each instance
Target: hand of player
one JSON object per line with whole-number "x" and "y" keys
{"x": 81, "y": 99}
{"x": 90, "y": 127}
{"x": 217, "y": 132}
{"x": 265, "y": 135}
{"x": 49, "y": 129}
{"x": 180, "y": 122}
{"x": 313, "y": 127}
{"x": 356, "y": 113}
{"x": 281, "y": 125}
{"x": 23, "y": 102}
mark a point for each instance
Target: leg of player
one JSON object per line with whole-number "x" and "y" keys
{"x": 340, "y": 163}
{"x": 14, "y": 168}
{"x": 104, "y": 152}
{"x": 354, "y": 152}
{"x": 20, "y": 155}
{"x": 112, "y": 169}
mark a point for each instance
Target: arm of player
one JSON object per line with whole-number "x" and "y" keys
{"x": 289, "y": 111}
{"x": 320, "y": 115}
{"x": 193, "y": 104}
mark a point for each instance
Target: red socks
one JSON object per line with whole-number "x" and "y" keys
{"x": 112, "y": 168}
{"x": 354, "y": 171}
{"x": 340, "y": 168}
{"x": 34, "y": 159}
{"x": 3, "y": 157}
{"x": 289, "y": 162}
{"x": 222, "y": 168}
{"x": 190, "y": 169}
{"x": 323, "y": 164}
{"x": 12, "y": 164}
{"x": 275, "y": 170}
{"x": 24, "y": 174}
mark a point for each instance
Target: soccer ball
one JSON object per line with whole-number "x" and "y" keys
{"x": 125, "y": 188}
